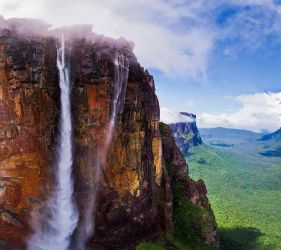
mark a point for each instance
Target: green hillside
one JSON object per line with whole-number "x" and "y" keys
{"x": 245, "y": 194}
{"x": 245, "y": 144}
{"x": 226, "y": 137}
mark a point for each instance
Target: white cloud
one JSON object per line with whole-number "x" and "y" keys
{"x": 151, "y": 25}
{"x": 259, "y": 111}
{"x": 174, "y": 36}
{"x": 167, "y": 116}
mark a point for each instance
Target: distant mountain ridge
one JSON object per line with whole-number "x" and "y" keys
{"x": 227, "y": 137}
{"x": 266, "y": 145}
{"x": 274, "y": 135}
{"x": 272, "y": 144}
{"x": 230, "y": 131}
{"x": 186, "y": 133}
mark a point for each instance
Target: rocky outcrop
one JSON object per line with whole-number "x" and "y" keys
{"x": 135, "y": 198}
{"x": 194, "y": 220}
{"x": 186, "y": 132}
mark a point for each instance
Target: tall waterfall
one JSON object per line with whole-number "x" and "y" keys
{"x": 59, "y": 218}
{"x": 121, "y": 72}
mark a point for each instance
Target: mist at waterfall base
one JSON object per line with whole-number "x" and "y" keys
{"x": 55, "y": 222}
{"x": 87, "y": 227}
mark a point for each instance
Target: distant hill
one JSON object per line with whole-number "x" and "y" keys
{"x": 275, "y": 135}
{"x": 271, "y": 144}
{"x": 242, "y": 141}
{"x": 226, "y": 138}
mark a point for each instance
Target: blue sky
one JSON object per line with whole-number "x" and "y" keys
{"x": 219, "y": 59}
{"x": 246, "y": 72}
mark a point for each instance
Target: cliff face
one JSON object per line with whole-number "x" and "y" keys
{"x": 134, "y": 198}
{"x": 28, "y": 117}
{"x": 186, "y": 133}
{"x": 131, "y": 177}
{"x": 193, "y": 217}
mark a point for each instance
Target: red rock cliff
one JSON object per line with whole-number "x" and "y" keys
{"x": 28, "y": 126}
{"x": 128, "y": 200}
{"x": 135, "y": 199}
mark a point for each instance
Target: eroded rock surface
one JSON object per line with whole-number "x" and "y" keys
{"x": 128, "y": 202}
{"x": 135, "y": 199}
{"x": 28, "y": 119}
{"x": 194, "y": 220}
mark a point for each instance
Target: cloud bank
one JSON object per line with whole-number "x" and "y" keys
{"x": 259, "y": 111}
{"x": 167, "y": 116}
{"x": 150, "y": 25}
{"x": 173, "y": 36}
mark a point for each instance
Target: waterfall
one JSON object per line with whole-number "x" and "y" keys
{"x": 59, "y": 218}
{"x": 121, "y": 72}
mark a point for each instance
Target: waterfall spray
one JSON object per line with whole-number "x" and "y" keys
{"x": 59, "y": 218}
{"x": 121, "y": 72}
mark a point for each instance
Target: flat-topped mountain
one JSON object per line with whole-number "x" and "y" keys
{"x": 186, "y": 132}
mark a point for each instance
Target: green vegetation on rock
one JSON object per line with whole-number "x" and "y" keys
{"x": 150, "y": 246}
{"x": 194, "y": 225}
{"x": 190, "y": 221}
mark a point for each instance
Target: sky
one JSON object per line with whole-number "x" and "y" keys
{"x": 219, "y": 59}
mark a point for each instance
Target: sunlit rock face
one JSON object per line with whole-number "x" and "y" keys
{"x": 129, "y": 198}
{"x": 29, "y": 109}
{"x": 128, "y": 203}
{"x": 127, "y": 207}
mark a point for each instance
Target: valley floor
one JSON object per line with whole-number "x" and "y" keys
{"x": 244, "y": 189}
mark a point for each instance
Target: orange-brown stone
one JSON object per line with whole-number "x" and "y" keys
{"x": 135, "y": 199}
{"x": 28, "y": 114}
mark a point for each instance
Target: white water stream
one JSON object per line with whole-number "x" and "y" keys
{"x": 55, "y": 227}
{"x": 121, "y": 72}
